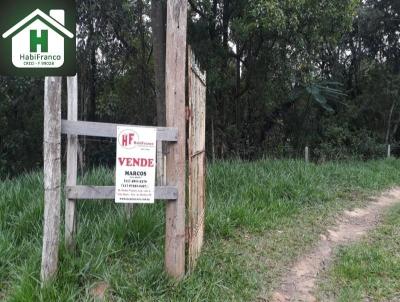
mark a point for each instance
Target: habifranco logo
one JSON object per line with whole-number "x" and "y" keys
{"x": 38, "y": 40}
{"x": 127, "y": 139}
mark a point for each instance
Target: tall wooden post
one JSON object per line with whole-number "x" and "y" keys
{"x": 175, "y": 117}
{"x": 52, "y": 176}
{"x": 72, "y": 164}
{"x": 197, "y": 160}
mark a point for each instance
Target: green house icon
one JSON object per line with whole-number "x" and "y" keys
{"x": 38, "y": 40}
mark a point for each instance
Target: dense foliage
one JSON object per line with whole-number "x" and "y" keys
{"x": 282, "y": 74}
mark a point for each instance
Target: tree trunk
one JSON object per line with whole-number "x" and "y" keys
{"x": 396, "y": 127}
{"x": 91, "y": 114}
{"x": 389, "y": 122}
{"x": 238, "y": 54}
{"x": 158, "y": 23}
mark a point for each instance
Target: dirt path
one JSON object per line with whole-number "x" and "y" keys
{"x": 299, "y": 283}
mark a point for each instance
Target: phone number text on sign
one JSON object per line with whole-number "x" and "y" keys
{"x": 135, "y": 165}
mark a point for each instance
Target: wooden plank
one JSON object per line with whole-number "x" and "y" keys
{"x": 175, "y": 117}
{"x": 110, "y": 130}
{"x": 197, "y": 160}
{"x": 72, "y": 164}
{"x": 52, "y": 177}
{"x": 108, "y": 192}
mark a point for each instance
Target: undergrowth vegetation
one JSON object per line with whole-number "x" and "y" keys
{"x": 260, "y": 216}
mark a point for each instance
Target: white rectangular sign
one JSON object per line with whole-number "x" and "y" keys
{"x": 136, "y": 165}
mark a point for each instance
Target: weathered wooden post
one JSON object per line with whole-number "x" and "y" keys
{"x": 175, "y": 117}
{"x": 307, "y": 154}
{"x": 52, "y": 176}
{"x": 197, "y": 88}
{"x": 389, "y": 151}
{"x": 72, "y": 164}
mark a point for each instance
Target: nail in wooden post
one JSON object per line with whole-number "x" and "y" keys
{"x": 175, "y": 111}
{"x": 307, "y": 154}
{"x": 52, "y": 177}
{"x": 72, "y": 164}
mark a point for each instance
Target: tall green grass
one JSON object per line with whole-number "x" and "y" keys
{"x": 260, "y": 216}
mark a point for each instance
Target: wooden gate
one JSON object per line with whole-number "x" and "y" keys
{"x": 197, "y": 159}
{"x": 173, "y": 193}
{"x": 74, "y": 128}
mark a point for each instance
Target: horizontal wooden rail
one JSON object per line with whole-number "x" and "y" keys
{"x": 110, "y": 130}
{"x": 93, "y": 192}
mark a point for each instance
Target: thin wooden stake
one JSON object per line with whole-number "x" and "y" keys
{"x": 72, "y": 164}
{"x": 52, "y": 177}
{"x": 307, "y": 154}
{"x": 175, "y": 117}
{"x": 213, "y": 140}
{"x": 389, "y": 151}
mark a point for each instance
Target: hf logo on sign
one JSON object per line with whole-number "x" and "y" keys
{"x": 38, "y": 38}
{"x": 127, "y": 139}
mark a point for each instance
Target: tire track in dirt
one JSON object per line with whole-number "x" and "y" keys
{"x": 299, "y": 283}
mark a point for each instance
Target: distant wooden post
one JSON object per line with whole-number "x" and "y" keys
{"x": 175, "y": 117}
{"x": 52, "y": 176}
{"x": 72, "y": 164}
{"x": 307, "y": 154}
{"x": 212, "y": 140}
{"x": 389, "y": 151}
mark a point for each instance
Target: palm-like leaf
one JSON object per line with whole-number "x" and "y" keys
{"x": 321, "y": 93}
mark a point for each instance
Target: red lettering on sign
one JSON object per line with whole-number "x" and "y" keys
{"x": 127, "y": 139}
{"x": 136, "y": 162}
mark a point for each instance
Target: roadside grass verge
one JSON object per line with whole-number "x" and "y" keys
{"x": 260, "y": 217}
{"x": 369, "y": 270}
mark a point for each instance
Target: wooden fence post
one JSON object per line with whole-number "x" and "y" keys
{"x": 52, "y": 177}
{"x": 307, "y": 154}
{"x": 197, "y": 160}
{"x": 72, "y": 164}
{"x": 175, "y": 117}
{"x": 389, "y": 151}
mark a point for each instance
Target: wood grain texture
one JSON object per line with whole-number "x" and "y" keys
{"x": 52, "y": 177}
{"x": 110, "y": 130}
{"x": 72, "y": 164}
{"x": 197, "y": 160}
{"x": 108, "y": 192}
{"x": 175, "y": 117}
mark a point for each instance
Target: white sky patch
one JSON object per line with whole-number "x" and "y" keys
{"x": 233, "y": 47}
